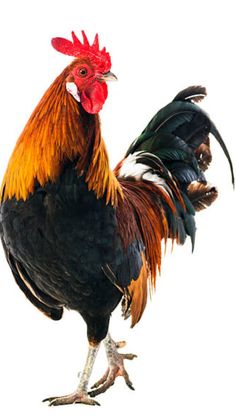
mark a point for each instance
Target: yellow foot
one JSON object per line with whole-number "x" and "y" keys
{"x": 115, "y": 369}
{"x": 76, "y": 397}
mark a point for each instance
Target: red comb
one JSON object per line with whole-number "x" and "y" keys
{"x": 76, "y": 48}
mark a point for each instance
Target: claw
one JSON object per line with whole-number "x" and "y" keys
{"x": 116, "y": 368}
{"x": 113, "y": 372}
{"x": 101, "y": 381}
{"x": 71, "y": 399}
{"x": 127, "y": 380}
{"x": 120, "y": 344}
{"x": 130, "y": 356}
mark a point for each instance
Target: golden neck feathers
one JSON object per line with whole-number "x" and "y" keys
{"x": 58, "y": 131}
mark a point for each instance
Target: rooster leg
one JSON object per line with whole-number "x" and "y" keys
{"x": 115, "y": 367}
{"x": 81, "y": 393}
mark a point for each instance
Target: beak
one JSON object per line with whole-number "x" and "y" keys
{"x": 109, "y": 76}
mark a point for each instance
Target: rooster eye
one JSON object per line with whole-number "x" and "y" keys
{"x": 83, "y": 72}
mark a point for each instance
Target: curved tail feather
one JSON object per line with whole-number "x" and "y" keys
{"x": 178, "y": 129}
{"x": 163, "y": 181}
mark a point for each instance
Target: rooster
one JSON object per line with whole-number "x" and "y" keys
{"x": 78, "y": 235}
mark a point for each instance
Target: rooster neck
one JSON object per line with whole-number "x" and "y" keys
{"x": 58, "y": 131}
{"x": 95, "y": 164}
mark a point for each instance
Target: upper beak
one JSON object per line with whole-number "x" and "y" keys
{"x": 109, "y": 76}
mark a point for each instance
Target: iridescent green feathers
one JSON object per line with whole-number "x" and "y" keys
{"x": 177, "y": 137}
{"x": 178, "y": 129}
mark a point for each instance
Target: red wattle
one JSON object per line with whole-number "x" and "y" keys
{"x": 93, "y": 98}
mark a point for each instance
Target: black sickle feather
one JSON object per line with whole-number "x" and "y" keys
{"x": 196, "y": 132}
{"x": 192, "y": 93}
{"x": 183, "y": 119}
{"x": 218, "y": 137}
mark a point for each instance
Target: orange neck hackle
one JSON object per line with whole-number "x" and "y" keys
{"x": 59, "y": 131}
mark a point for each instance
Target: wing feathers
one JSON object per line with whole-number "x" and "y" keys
{"x": 46, "y": 304}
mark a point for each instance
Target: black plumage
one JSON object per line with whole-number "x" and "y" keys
{"x": 73, "y": 237}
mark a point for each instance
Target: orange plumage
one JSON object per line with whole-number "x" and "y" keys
{"x": 54, "y": 135}
{"x": 78, "y": 235}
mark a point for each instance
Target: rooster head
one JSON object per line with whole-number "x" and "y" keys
{"x": 89, "y": 73}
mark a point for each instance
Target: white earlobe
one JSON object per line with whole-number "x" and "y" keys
{"x": 73, "y": 90}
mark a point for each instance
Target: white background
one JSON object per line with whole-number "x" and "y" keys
{"x": 186, "y": 365}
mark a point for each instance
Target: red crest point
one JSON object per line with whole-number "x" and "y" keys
{"x": 76, "y": 48}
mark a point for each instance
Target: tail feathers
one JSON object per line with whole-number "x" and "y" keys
{"x": 179, "y": 211}
{"x": 173, "y": 152}
{"x": 181, "y": 221}
{"x": 214, "y": 131}
{"x": 196, "y": 132}
{"x": 191, "y": 94}
{"x": 202, "y": 195}
{"x": 203, "y": 155}
{"x": 177, "y": 132}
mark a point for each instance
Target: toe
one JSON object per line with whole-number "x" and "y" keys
{"x": 73, "y": 398}
{"x": 102, "y": 380}
{"x": 120, "y": 344}
{"x": 129, "y": 356}
{"x": 105, "y": 385}
{"x": 127, "y": 380}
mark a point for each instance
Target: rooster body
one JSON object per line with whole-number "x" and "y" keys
{"x": 67, "y": 223}
{"x": 78, "y": 235}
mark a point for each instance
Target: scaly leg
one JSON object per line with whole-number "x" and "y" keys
{"x": 81, "y": 393}
{"x": 115, "y": 367}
